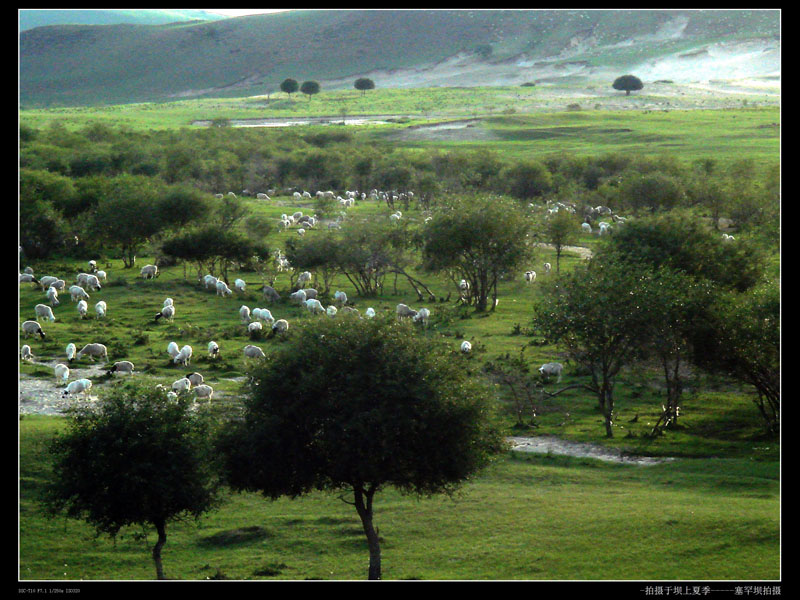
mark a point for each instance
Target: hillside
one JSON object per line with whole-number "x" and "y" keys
{"x": 91, "y": 64}
{"x": 30, "y": 18}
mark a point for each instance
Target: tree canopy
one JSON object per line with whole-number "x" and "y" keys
{"x": 628, "y": 83}
{"x": 364, "y": 84}
{"x": 289, "y": 85}
{"x": 309, "y": 88}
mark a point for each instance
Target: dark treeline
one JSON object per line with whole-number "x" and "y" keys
{"x": 68, "y": 178}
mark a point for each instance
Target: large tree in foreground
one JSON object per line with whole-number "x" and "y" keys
{"x": 377, "y": 406}
{"x": 135, "y": 458}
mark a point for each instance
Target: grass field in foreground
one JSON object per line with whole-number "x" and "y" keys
{"x": 525, "y": 517}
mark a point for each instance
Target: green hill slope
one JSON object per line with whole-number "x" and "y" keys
{"x": 81, "y": 64}
{"x": 30, "y": 18}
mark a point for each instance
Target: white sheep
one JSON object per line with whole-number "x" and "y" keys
{"x": 340, "y": 298}
{"x": 45, "y": 312}
{"x": 28, "y": 278}
{"x": 304, "y": 277}
{"x": 181, "y": 385}
{"x": 403, "y": 311}
{"x": 122, "y": 366}
{"x": 184, "y": 356}
{"x": 270, "y": 294}
{"x": 102, "y": 275}
{"x": 280, "y": 326}
{"x": 586, "y": 227}
{"x": 298, "y": 297}
{"x": 168, "y": 302}
{"x": 331, "y": 311}
{"x": 254, "y": 328}
{"x": 463, "y": 286}
{"x": 466, "y": 347}
{"x": 83, "y": 308}
{"x": 549, "y": 369}
{"x": 310, "y": 293}
{"x": 223, "y": 289}
{"x": 93, "y": 266}
{"x": 314, "y": 306}
{"x": 301, "y": 232}
{"x": 244, "y": 314}
{"x": 422, "y": 316}
{"x": 195, "y": 378}
{"x": 264, "y": 315}
{"x": 149, "y": 271}
{"x": 240, "y": 285}
{"x": 47, "y": 281}
{"x": 203, "y": 391}
{"x": 370, "y": 312}
{"x": 61, "y": 371}
{"x": 168, "y": 312}
{"x": 100, "y": 308}
{"x": 25, "y": 352}
{"x": 213, "y": 349}
{"x": 52, "y": 296}
{"x": 210, "y": 282}
{"x": 547, "y": 267}
{"x": 261, "y": 196}
{"x": 172, "y": 349}
{"x": 59, "y": 284}
{"x": 31, "y": 328}
{"x": 71, "y": 351}
{"x": 76, "y": 293}
{"x": 78, "y": 386}
{"x": 93, "y": 351}
{"x": 253, "y": 352}
{"x": 92, "y": 283}
{"x": 530, "y": 276}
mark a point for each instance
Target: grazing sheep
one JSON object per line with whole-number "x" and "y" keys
{"x": 168, "y": 312}
{"x": 530, "y": 276}
{"x": 270, "y": 294}
{"x": 92, "y": 283}
{"x": 181, "y": 385}
{"x": 184, "y": 356}
{"x": 264, "y": 315}
{"x": 728, "y": 238}
{"x": 25, "y": 352}
{"x": 149, "y": 271}
{"x": 223, "y": 289}
{"x": 314, "y": 306}
{"x": 422, "y": 316}
{"x": 547, "y": 267}
{"x": 28, "y": 270}
{"x": 280, "y": 326}
{"x": 254, "y": 328}
{"x": 28, "y": 278}
{"x": 195, "y": 378}
{"x": 404, "y": 311}
{"x": 52, "y": 296}
{"x": 340, "y": 298}
{"x": 82, "y": 279}
{"x": 76, "y": 293}
{"x": 59, "y": 284}
{"x": 210, "y": 282}
{"x": 100, "y": 308}
{"x": 172, "y": 349}
{"x": 349, "y": 310}
{"x": 604, "y": 228}
{"x": 370, "y": 312}
{"x": 218, "y": 196}
{"x": 79, "y": 386}
{"x": 244, "y": 314}
{"x": 31, "y": 328}
{"x": 71, "y": 351}
{"x": 102, "y": 276}
{"x": 93, "y": 351}
{"x": 61, "y": 372}
{"x": 548, "y": 369}
{"x": 297, "y": 216}
{"x": 203, "y": 391}
{"x": 168, "y": 302}
{"x": 586, "y": 227}
{"x": 304, "y": 277}
{"x": 240, "y": 285}
{"x": 301, "y": 232}
{"x": 299, "y": 297}
{"x": 45, "y": 312}
{"x": 466, "y": 347}
{"x": 310, "y": 293}
{"x": 93, "y": 266}
{"x": 122, "y": 366}
{"x": 253, "y": 352}
{"x": 213, "y": 349}
{"x": 47, "y": 281}
{"x": 83, "y": 308}
{"x": 261, "y": 196}
{"x": 463, "y": 286}
{"x": 331, "y": 311}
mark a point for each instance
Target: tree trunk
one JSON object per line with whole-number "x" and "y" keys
{"x": 627, "y": 92}
{"x": 608, "y": 409}
{"x": 162, "y": 539}
{"x": 365, "y": 512}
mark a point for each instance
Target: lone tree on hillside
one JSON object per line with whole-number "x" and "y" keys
{"x": 136, "y": 458}
{"x": 386, "y": 407}
{"x": 560, "y": 230}
{"x": 309, "y": 88}
{"x": 289, "y": 86}
{"x": 629, "y": 83}
{"x": 364, "y": 84}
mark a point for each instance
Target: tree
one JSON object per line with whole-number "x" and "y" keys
{"x": 629, "y": 83}
{"x": 600, "y": 313}
{"x": 364, "y": 84}
{"x": 135, "y": 458}
{"x": 651, "y": 190}
{"x": 289, "y": 86}
{"x": 527, "y": 179}
{"x": 479, "y": 239}
{"x": 385, "y": 407}
{"x": 560, "y": 230}
{"x": 310, "y": 88}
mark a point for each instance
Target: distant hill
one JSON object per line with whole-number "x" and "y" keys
{"x": 30, "y": 18}
{"x": 85, "y": 65}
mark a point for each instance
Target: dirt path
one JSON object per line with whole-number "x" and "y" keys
{"x": 584, "y": 253}
{"x": 547, "y": 444}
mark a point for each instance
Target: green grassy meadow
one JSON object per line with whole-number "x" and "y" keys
{"x": 712, "y": 513}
